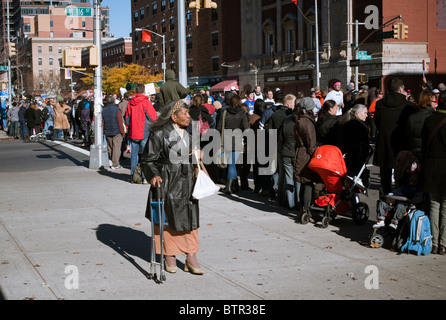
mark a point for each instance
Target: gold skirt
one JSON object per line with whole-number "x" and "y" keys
{"x": 177, "y": 242}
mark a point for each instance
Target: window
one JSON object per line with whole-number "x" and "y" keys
{"x": 154, "y": 8}
{"x": 50, "y": 48}
{"x": 172, "y": 24}
{"x": 60, "y": 49}
{"x": 39, "y": 49}
{"x": 215, "y": 64}
{"x": 27, "y": 28}
{"x": 141, "y": 13}
{"x": 51, "y": 61}
{"x": 135, "y": 16}
{"x": 172, "y": 46}
{"x": 188, "y": 18}
{"x": 41, "y": 73}
{"x": 189, "y": 42}
{"x": 39, "y": 61}
{"x": 163, "y": 5}
{"x": 214, "y": 39}
{"x": 51, "y": 73}
{"x": 190, "y": 66}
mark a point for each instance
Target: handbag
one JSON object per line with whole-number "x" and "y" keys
{"x": 219, "y": 157}
{"x": 202, "y": 126}
{"x": 204, "y": 186}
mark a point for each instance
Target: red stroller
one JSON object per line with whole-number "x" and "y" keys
{"x": 342, "y": 191}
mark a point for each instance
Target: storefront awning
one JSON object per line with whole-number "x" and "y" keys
{"x": 225, "y": 85}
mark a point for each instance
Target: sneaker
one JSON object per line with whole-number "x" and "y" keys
{"x": 379, "y": 224}
{"x": 117, "y": 167}
{"x": 393, "y": 224}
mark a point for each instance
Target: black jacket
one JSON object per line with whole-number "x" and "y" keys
{"x": 414, "y": 127}
{"x": 434, "y": 154}
{"x": 391, "y": 116}
{"x": 235, "y": 119}
{"x": 169, "y": 159}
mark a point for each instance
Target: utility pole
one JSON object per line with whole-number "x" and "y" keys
{"x": 98, "y": 152}
{"x": 317, "y": 45}
{"x": 182, "y": 66}
{"x": 9, "y": 58}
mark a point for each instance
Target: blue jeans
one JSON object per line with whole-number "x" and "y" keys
{"x": 288, "y": 189}
{"x": 232, "y": 162}
{"x": 136, "y": 149}
{"x": 13, "y": 127}
{"x": 23, "y": 130}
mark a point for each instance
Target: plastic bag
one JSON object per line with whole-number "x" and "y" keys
{"x": 204, "y": 186}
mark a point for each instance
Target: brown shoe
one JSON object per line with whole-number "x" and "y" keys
{"x": 434, "y": 249}
{"x": 442, "y": 250}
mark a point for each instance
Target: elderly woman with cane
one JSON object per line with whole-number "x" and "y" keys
{"x": 166, "y": 163}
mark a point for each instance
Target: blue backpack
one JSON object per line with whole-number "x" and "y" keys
{"x": 420, "y": 237}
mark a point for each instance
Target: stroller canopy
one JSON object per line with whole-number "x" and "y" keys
{"x": 328, "y": 162}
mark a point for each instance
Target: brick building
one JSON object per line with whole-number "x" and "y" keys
{"x": 41, "y": 30}
{"x": 117, "y": 52}
{"x": 212, "y": 38}
{"x": 278, "y": 43}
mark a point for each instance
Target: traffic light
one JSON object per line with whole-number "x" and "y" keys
{"x": 12, "y": 51}
{"x": 92, "y": 57}
{"x": 196, "y": 4}
{"x": 396, "y": 30}
{"x": 208, "y": 4}
{"x": 203, "y": 4}
{"x": 404, "y": 31}
{"x": 72, "y": 58}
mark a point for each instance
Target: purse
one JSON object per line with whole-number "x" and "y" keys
{"x": 219, "y": 157}
{"x": 202, "y": 126}
{"x": 204, "y": 186}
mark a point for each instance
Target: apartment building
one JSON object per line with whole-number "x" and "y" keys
{"x": 212, "y": 38}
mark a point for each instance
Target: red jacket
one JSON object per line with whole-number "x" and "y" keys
{"x": 139, "y": 113}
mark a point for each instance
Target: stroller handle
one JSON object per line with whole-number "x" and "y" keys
{"x": 371, "y": 151}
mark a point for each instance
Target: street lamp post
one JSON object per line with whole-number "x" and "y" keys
{"x": 164, "y": 48}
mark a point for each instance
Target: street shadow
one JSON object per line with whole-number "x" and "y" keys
{"x": 124, "y": 176}
{"x": 64, "y": 155}
{"x": 128, "y": 243}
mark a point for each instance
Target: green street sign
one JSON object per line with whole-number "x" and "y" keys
{"x": 79, "y": 12}
{"x": 362, "y": 55}
{"x": 385, "y": 35}
{"x": 3, "y": 68}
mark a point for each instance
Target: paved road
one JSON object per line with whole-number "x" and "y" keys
{"x": 68, "y": 232}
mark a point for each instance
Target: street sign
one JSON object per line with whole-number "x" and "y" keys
{"x": 79, "y": 12}
{"x": 3, "y": 68}
{"x": 355, "y": 62}
{"x": 385, "y": 35}
{"x": 362, "y": 55}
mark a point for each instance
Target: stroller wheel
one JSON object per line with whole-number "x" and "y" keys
{"x": 397, "y": 243}
{"x": 325, "y": 222}
{"x": 305, "y": 217}
{"x": 361, "y": 213}
{"x": 376, "y": 240}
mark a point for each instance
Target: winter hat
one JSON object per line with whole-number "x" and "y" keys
{"x": 307, "y": 103}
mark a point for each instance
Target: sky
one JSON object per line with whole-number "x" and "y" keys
{"x": 120, "y": 17}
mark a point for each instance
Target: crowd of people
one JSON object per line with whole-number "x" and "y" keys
{"x": 390, "y": 119}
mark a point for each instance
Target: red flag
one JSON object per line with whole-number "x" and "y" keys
{"x": 295, "y": 2}
{"x": 146, "y": 36}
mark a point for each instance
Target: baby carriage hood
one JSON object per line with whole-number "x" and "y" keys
{"x": 329, "y": 164}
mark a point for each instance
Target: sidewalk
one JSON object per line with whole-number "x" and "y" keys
{"x": 72, "y": 225}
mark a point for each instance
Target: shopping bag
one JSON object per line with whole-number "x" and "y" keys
{"x": 204, "y": 186}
